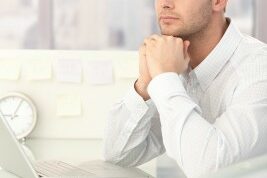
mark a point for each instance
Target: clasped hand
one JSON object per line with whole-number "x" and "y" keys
{"x": 160, "y": 54}
{"x": 165, "y": 54}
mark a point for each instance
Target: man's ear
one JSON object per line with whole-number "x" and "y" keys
{"x": 219, "y": 5}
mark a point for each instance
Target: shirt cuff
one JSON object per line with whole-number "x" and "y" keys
{"x": 136, "y": 104}
{"x": 164, "y": 85}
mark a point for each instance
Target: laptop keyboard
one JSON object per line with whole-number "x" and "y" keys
{"x": 59, "y": 168}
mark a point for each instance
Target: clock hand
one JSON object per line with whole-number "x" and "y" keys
{"x": 5, "y": 115}
{"x": 2, "y": 113}
{"x": 14, "y": 114}
{"x": 8, "y": 115}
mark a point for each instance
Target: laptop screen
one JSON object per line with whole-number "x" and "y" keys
{"x": 12, "y": 156}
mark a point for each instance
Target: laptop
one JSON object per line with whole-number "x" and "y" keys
{"x": 14, "y": 160}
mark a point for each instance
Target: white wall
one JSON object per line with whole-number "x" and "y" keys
{"x": 261, "y": 20}
{"x": 96, "y": 100}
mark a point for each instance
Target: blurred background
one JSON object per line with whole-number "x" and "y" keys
{"x": 88, "y": 24}
{"x": 103, "y": 25}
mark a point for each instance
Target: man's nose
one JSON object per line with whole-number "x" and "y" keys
{"x": 167, "y": 4}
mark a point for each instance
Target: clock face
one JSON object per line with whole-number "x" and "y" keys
{"x": 19, "y": 112}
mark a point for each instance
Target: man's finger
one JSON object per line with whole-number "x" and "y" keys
{"x": 142, "y": 51}
{"x": 147, "y": 41}
{"x": 186, "y": 46}
{"x": 155, "y": 37}
{"x": 152, "y": 39}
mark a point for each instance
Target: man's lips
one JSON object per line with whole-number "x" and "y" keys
{"x": 168, "y": 19}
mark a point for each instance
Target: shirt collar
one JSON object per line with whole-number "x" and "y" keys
{"x": 210, "y": 67}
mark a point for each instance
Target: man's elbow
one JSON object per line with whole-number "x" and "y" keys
{"x": 123, "y": 160}
{"x": 110, "y": 157}
{"x": 113, "y": 158}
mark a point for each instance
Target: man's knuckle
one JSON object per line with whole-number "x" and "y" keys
{"x": 179, "y": 40}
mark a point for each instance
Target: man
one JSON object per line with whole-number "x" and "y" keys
{"x": 201, "y": 95}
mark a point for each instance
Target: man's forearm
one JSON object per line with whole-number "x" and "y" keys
{"x": 130, "y": 137}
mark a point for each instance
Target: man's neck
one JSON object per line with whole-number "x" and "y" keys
{"x": 205, "y": 41}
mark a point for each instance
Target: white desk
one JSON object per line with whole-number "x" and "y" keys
{"x": 78, "y": 151}
{"x": 4, "y": 174}
{"x": 71, "y": 151}
{"x": 253, "y": 168}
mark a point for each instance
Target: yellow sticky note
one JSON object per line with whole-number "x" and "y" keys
{"x": 9, "y": 69}
{"x": 38, "y": 69}
{"x": 69, "y": 105}
{"x": 127, "y": 68}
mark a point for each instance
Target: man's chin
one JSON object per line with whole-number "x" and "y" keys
{"x": 169, "y": 34}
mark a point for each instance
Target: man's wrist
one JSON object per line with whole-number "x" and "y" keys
{"x": 141, "y": 88}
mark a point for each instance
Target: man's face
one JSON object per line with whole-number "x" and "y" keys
{"x": 183, "y": 18}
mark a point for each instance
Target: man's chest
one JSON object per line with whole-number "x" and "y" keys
{"x": 215, "y": 100}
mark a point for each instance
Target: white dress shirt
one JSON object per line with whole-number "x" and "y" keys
{"x": 205, "y": 119}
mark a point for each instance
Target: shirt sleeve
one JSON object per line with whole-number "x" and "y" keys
{"x": 133, "y": 132}
{"x": 200, "y": 147}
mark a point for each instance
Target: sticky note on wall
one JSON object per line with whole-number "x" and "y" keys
{"x": 127, "y": 68}
{"x": 38, "y": 69}
{"x": 9, "y": 69}
{"x": 99, "y": 72}
{"x": 68, "y": 70}
{"x": 69, "y": 105}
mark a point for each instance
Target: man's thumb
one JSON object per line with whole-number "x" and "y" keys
{"x": 186, "y": 46}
